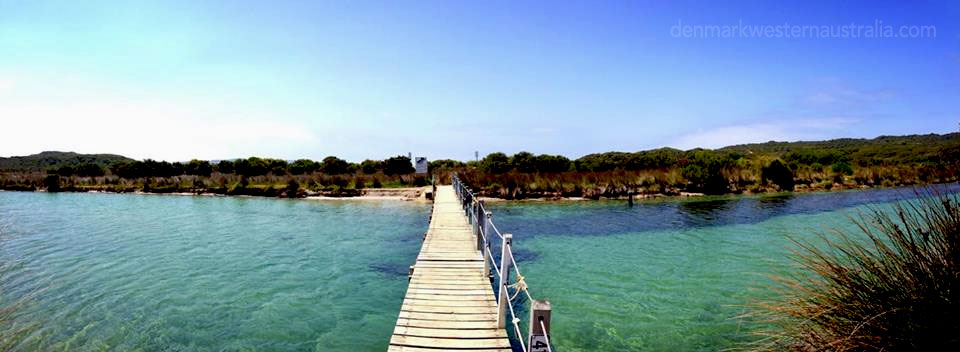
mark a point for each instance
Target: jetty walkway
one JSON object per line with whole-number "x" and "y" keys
{"x": 450, "y": 303}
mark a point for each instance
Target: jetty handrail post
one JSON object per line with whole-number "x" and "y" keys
{"x": 539, "y": 329}
{"x": 481, "y": 225}
{"x": 503, "y": 295}
{"x": 485, "y": 243}
{"x": 487, "y": 217}
{"x": 476, "y": 217}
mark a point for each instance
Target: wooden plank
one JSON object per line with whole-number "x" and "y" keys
{"x": 450, "y": 280}
{"x": 427, "y": 291}
{"x": 425, "y": 296}
{"x": 436, "y": 324}
{"x": 448, "y": 317}
{"x": 458, "y": 287}
{"x": 450, "y": 333}
{"x": 449, "y": 303}
{"x": 416, "y": 341}
{"x": 448, "y": 309}
{"x": 450, "y": 265}
{"x": 393, "y": 348}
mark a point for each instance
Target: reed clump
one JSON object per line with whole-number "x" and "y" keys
{"x": 892, "y": 285}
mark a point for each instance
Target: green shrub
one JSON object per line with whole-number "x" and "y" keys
{"x": 778, "y": 174}
{"x": 419, "y": 181}
{"x": 398, "y": 165}
{"x": 842, "y": 167}
{"x": 52, "y": 183}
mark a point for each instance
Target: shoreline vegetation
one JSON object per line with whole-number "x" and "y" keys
{"x": 886, "y": 161}
{"x": 888, "y": 285}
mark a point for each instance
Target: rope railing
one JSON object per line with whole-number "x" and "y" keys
{"x": 481, "y": 220}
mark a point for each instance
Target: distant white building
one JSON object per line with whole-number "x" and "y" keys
{"x": 421, "y": 165}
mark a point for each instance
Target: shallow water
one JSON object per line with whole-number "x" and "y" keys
{"x": 149, "y": 272}
{"x": 667, "y": 275}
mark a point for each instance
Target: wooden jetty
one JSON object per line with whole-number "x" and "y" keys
{"x": 450, "y": 303}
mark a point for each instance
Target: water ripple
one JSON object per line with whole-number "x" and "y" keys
{"x": 146, "y": 272}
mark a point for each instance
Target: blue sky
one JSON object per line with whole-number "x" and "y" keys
{"x": 177, "y": 80}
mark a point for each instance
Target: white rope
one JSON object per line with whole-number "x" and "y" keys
{"x": 516, "y": 269}
{"x": 546, "y": 336}
{"x": 478, "y": 214}
{"x": 516, "y": 325}
{"x": 496, "y": 230}
{"x": 519, "y": 286}
{"x": 495, "y": 268}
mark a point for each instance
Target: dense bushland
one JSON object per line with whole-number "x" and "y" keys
{"x": 765, "y": 167}
{"x": 251, "y": 176}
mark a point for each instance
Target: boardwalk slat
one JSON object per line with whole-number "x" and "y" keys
{"x": 416, "y": 341}
{"x": 450, "y": 333}
{"x": 449, "y": 303}
{"x": 394, "y": 348}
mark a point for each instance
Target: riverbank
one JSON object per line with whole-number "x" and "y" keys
{"x": 402, "y": 194}
{"x": 420, "y": 194}
{"x": 680, "y": 195}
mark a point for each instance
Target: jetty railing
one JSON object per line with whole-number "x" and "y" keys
{"x": 481, "y": 219}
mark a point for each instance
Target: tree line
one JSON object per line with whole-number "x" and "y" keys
{"x": 252, "y": 166}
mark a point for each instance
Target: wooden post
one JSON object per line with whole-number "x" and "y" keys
{"x": 484, "y": 243}
{"x": 487, "y": 217}
{"x": 630, "y": 199}
{"x": 476, "y": 217}
{"x": 503, "y": 295}
{"x": 410, "y": 275}
{"x": 539, "y": 312}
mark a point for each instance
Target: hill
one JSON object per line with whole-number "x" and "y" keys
{"x": 52, "y": 159}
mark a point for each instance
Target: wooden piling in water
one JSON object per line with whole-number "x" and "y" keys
{"x": 539, "y": 326}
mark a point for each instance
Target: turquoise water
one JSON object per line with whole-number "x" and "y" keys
{"x": 91, "y": 272}
{"x": 172, "y": 273}
{"x": 669, "y": 275}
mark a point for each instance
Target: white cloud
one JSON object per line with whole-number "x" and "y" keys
{"x": 835, "y": 92}
{"x": 148, "y": 130}
{"x": 784, "y": 130}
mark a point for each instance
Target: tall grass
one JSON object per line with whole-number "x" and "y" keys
{"x": 892, "y": 285}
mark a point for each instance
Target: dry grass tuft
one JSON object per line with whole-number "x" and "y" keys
{"x": 894, "y": 285}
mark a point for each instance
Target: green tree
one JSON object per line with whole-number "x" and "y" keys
{"x": 52, "y": 183}
{"x": 225, "y": 167}
{"x": 524, "y": 162}
{"x": 778, "y": 174}
{"x": 496, "y": 163}
{"x": 277, "y": 167}
{"x": 705, "y": 172}
{"x": 842, "y": 167}
{"x": 371, "y": 166}
{"x": 198, "y": 167}
{"x": 445, "y": 164}
{"x": 552, "y": 163}
{"x": 303, "y": 166}
{"x": 332, "y": 165}
{"x": 252, "y": 166}
{"x": 398, "y": 165}
{"x": 293, "y": 188}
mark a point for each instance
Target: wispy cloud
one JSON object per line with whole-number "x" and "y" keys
{"x": 835, "y": 92}
{"x": 150, "y": 130}
{"x": 759, "y": 132}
